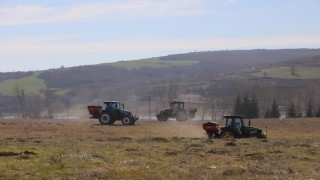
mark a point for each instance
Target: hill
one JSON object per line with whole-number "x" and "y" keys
{"x": 212, "y": 73}
{"x": 32, "y": 84}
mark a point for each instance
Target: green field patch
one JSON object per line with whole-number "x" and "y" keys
{"x": 61, "y": 92}
{"x": 284, "y": 72}
{"x": 152, "y": 62}
{"x": 31, "y": 85}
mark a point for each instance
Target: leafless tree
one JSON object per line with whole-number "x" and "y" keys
{"x": 34, "y": 106}
{"x": 166, "y": 92}
{"x": 265, "y": 74}
{"x": 208, "y": 107}
{"x": 265, "y": 95}
{"x": 49, "y": 98}
{"x": 21, "y": 102}
{"x": 205, "y": 107}
{"x": 293, "y": 69}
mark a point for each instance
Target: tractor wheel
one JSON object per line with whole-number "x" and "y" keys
{"x": 127, "y": 121}
{"x": 162, "y": 117}
{"x": 182, "y": 116}
{"x": 106, "y": 119}
{"x": 227, "y": 135}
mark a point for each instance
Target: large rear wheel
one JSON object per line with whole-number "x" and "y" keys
{"x": 227, "y": 135}
{"x": 106, "y": 119}
{"x": 182, "y": 116}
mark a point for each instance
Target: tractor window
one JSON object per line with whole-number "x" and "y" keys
{"x": 175, "y": 106}
{"x": 238, "y": 122}
{"x": 228, "y": 122}
{"x": 114, "y": 106}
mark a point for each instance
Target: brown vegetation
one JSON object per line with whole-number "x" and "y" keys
{"x": 84, "y": 149}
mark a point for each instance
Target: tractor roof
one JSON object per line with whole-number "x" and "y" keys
{"x": 176, "y": 102}
{"x": 110, "y": 102}
{"x": 233, "y": 116}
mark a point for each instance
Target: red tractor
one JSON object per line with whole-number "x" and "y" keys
{"x": 177, "y": 111}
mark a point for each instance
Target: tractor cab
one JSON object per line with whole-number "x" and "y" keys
{"x": 176, "y": 105}
{"x": 114, "y": 109}
{"x": 235, "y": 123}
{"x": 115, "y": 105}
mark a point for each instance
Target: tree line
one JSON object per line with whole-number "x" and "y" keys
{"x": 249, "y": 108}
{"x": 36, "y": 106}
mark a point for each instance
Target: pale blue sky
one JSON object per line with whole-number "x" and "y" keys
{"x": 42, "y": 34}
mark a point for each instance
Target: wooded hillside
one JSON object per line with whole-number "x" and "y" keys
{"x": 215, "y": 76}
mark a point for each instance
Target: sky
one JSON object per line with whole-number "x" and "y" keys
{"x": 44, "y": 34}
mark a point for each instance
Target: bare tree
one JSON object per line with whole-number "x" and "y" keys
{"x": 208, "y": 107}
{"x": 160, "y": 92}
{"x": 265, "y": 94}
{"x": 50, "y": 98}
{"x": 205, "y": 107}
{"x": 213, "y": 109}
{"x": 309, "y": 104}
{"x": 265, "y": 74}
{"x": 166, "y": 92}
{"x": 21, "y": 102}
{"x": 34, "y": 106}
{"x": 293, "y": 69}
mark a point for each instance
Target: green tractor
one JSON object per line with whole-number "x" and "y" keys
{"x": 178, "y": 111}
{"x": 234, "y": 128}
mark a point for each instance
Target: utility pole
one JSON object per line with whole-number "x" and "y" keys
{"x": 23, "y": 104}
{"x": 68, "y": 110}
{"x": 149, "y": 107}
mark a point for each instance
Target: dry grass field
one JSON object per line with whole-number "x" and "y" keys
{"x": 83, "y": 149}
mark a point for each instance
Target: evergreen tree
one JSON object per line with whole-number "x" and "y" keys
{"x": 245, "y": 107}
{"x": 267, "y": 114}
{"x": 275, "y": 113}
{"x": 292, "y": 112}
{"x": 309, "y": 109}
{"x": 318, "y": 112}
{"x": 254, "y": 108}
{"x": 237, "y": 106}
{"x": 299, "y": 113}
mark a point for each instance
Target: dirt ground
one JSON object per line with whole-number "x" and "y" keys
{"x": 84, "y": 149}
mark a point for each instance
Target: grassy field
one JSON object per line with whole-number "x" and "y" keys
{"x": 32, "y": 84}
{"x": 152, "y": 62}
{"x": 84, "y": 149}
{"x": 284, "y": 72}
